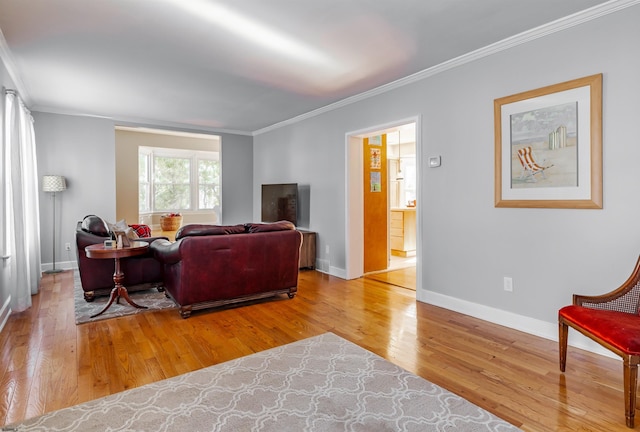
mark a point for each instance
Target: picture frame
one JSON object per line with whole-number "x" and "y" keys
{"x": 548, "y": 146}
{"x": 125, "y": 239}
{"x": 375, "y": 161}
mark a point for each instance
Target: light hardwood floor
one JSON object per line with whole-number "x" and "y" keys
{"x": 48, "y": 363}
{"x": 405, "y": 277}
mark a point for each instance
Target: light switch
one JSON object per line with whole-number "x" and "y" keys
{"x": 434, "y": 161}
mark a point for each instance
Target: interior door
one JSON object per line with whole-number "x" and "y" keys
{"x": 375, "y": 203}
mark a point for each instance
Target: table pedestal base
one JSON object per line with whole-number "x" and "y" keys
{"x": 118, "y": 291}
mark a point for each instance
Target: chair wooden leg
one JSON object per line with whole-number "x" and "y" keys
{"x": 630, "y": 386}
{"x": 563, "y": 333}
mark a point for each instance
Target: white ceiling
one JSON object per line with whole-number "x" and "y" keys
{"x": 242, "y": 65}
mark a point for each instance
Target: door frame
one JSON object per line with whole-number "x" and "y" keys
{"x": 354, "y": 197}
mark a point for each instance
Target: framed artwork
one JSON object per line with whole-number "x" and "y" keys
{"x": 376, "y": 185}
{"x": 125, "y": 239}
{"x": 548, "y": 146}
{"x": 375, "y": 161}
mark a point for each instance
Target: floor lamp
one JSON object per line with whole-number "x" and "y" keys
{"x": 53, "y": 184}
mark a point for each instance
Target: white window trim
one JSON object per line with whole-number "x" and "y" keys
{"x": 194, "y": 156}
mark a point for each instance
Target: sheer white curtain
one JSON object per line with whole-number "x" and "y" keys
{"x": 21, "y": 213}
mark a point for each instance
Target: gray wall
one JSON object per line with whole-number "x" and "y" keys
{"x": 468, "y": 244}
{"x": 237, "y": 178}
{"x": 83, "y": 150}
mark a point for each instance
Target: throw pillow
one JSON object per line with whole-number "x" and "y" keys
{"x": 122, "y": 226}
{"x": 131, "y": 233}
{"x": 141, "y": 230}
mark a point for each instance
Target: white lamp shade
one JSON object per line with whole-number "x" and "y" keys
{"x": 53, "y": 183}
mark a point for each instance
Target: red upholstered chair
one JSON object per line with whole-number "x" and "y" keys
{"x": 612, "y": 320}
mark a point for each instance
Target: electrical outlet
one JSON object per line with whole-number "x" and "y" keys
{"x": 326, "y": 249}
{"x": 508, "y": 284}
{"x": 67, "y": 246}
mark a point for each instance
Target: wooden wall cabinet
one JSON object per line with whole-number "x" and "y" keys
{"x": 403, "y": 232}
{"x": 308, "y": 250}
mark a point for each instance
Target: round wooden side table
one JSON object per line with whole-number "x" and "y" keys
{"x": 100, "y": 252}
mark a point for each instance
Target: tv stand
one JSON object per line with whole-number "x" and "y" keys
{"x": 308, "y": 250}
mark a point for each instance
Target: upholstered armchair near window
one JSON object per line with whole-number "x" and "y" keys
{"x": 612, "y": 320}
{"x": 96, "y": 275}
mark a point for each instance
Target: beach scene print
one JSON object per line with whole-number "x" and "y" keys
{"x": 544, "y": 150}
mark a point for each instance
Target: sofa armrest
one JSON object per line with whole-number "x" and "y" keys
{"x": 165, "y": 251}
{"x": 84, "y": 238}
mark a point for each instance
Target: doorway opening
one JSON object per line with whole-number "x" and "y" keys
{"x": 402, "y": 190}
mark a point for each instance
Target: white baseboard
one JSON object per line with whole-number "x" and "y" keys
{"x": 338, "y": 272}
{"x": 64, "y": 265}
{"x": 5, "y": 311}
{"x": 323, "y": 266}
{"x": 486, "y": 313}
{"x": 511, "y": 320}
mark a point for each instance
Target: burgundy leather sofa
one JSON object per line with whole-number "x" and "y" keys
{"x": 211, "y": 265}
{"x": 96, "y": 275}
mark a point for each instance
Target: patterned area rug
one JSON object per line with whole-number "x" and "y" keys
{"x": 323, "y": 383}
{"x": 153, "y": 299}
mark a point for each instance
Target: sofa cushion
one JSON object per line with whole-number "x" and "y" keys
{"x": 122, "y": 226}
{"x": 268, "y": 227}
{"x": 95, "y": 225}
{"x": 205, "y": 230}
{"x": 620, "y": 329}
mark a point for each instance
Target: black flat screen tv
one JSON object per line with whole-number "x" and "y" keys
{"x": 280, "y": 202}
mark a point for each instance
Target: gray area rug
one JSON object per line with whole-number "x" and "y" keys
{"x": 153, "y": 299}
{"x": 324, "y": 383}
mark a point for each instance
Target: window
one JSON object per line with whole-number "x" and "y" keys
{"x": 173, "y": 180}
{"x": 144, "y": 183}
{"x": 208, "y": 183}
{"x": 171, "y": 183}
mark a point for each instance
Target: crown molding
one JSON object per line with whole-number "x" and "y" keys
{"x": 177, "y": 127}
{"x": 505, "y": 44}
{"x": 570, "y": 21}
{"x": 169, "y": 132}
{"x": 139, "y": 122}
